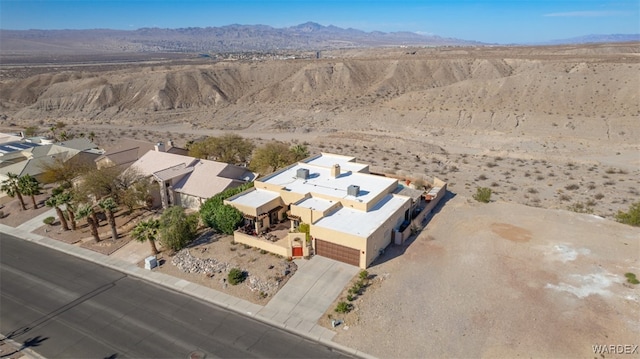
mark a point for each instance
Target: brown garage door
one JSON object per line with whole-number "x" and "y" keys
{"x": 338, "y": 252}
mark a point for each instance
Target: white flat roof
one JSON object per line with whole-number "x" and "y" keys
{"x": 321, "y": 182}
{"x": 255, "y": 198}
{"x": 360, "y": 223}
{"x": 316, "y": 204}
{"x": 329, "y": 159}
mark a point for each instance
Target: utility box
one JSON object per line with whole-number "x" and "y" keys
{"x": 150, "y": 262}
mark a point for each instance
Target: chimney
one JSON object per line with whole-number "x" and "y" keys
{"x": 335, "y": 171}
{"x": 159, "y": 147}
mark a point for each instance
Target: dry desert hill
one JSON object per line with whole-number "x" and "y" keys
{"x": 553, "y": 131}
{"x": 552, "y": 127}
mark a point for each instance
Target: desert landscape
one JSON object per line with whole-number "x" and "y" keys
{"x": 552, "y": 131}
{"x": 550, "y": 127}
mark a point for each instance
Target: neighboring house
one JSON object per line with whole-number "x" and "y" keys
{"x": 9, "y": 137}
{"x": 31, "y": 155}
{"x": 188, "y": 181}
{"x": 125, "y": 152}
{"x": 352, "y": 214}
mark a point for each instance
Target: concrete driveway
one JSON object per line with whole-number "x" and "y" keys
{"x": 311, "y": 290}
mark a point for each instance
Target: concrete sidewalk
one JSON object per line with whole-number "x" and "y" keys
{"x": 306, "y": 295}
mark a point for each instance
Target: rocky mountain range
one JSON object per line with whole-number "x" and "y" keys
{"x": 231, "y": 38}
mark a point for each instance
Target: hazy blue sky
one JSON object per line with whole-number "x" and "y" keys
{"x": 501, "y": 21}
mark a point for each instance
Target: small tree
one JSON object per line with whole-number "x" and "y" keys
{"x": 147, "y": 231}
{"x": 306, "y": 229}
{"x": 270, "y": 157}
{"x": 483, "y": 195}
{"x": 30, "y": 131}
{"x": 30, "y": 186}
{"x": 177, "y": 228}
{"x": 11, "y": 186}
{"x": 109, "y": 206}
{"x": 61, "y": 170}
{"x": 631, "y": 217}
{"x": 211, "y": 207}
{"x": 226, "y": 219}
{"x": 229, "y": 148}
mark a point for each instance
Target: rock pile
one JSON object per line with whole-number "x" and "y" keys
{"x": 188, "y": 263}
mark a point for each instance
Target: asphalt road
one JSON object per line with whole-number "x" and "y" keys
{"x": 65, "y": 307}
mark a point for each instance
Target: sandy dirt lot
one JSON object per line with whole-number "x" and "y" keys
{"x": 501, "y": 280}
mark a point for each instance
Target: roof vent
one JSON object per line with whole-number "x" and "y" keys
{"x": 302, "y": 173}
{"x": 353, "y": 190}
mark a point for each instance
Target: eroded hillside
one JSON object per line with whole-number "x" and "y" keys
{"x": 589, "y": 91}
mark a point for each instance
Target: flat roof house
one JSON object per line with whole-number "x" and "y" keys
{"x": 352, "y": 214}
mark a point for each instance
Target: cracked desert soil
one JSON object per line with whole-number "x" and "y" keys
{"x": 501, "y": 280}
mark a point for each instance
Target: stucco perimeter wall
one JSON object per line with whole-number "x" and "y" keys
{"x": 257, "y": 243}
{"x": 433, "y": 203}
{"x": 383, "y": 236}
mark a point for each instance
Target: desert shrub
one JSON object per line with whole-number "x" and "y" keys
{"x": 565, "y": 197}
{"x": 483, "y": 195}
{"x": 177, "y": 228}
{"x": 236, "y": 276}
{"x": 532, "y": 190}
{"x": 482, "y": 177}
{"x": 572, "y": 187}
{"x": 49, "y": 220}
{"x": 579, "y": 207}
{"x": 631, "y": 217}
{"x": 343, "y": 307}
{"x": 350, "y": 297}
{"x": 631, "y": 278}
{"x": 364, "y": 274}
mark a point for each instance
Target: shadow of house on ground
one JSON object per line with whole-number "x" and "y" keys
{"x": 392, "y": 251}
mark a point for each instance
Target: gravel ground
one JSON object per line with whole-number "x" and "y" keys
{"x": 208, "y": 261}
{"x": 501, "y": 280}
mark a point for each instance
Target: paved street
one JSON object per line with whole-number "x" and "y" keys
{"x": 67, "y": 307}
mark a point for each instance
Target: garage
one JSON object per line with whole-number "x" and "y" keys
{"x": 338, "y": 252}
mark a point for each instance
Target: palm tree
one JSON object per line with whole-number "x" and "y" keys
{"x": 108, "y": 205}
{"x": 54, "y": 201}
{"x": 30, "y": 186}
{"x": 147, "y": 231}
{"x": 299, "y": 152}
{"x": 11, "y": 187}
{"x": 86, "y": 211}
{"x": 67, "y": 199}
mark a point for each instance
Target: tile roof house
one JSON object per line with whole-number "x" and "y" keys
{"x": 188, "y": 181}
{"x": 26, "y": 157}
{"x": 352, "y": 214}
{"x": 126, "y": 151}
